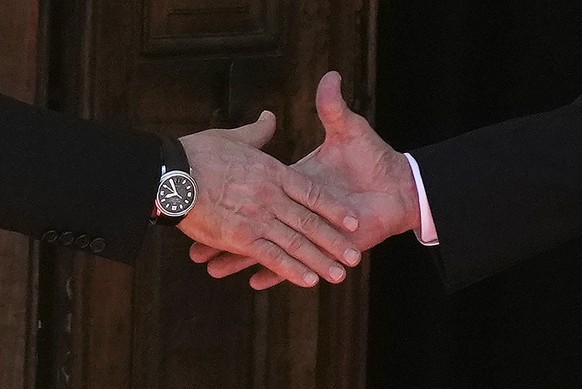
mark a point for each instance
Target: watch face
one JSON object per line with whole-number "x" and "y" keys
{"x": 177, "y": 194}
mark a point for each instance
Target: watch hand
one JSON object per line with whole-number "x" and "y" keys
{"x": 174, "y": 190}
{"x": 173, "y": 186}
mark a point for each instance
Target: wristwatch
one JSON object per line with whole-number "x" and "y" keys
{"x": 178, "y": 190}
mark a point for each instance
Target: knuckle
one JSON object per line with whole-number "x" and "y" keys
{"x": 276, "y": 256}
{"x": 251, "y": 209}
{"x": 243, "y": 233}
{"x": 314, "y": 195}
{"x": 280, "y": 262}
{"x": 338, "y": 244}
{"x": 296, "y": 242}
{"x": 263, "y": 190}
{"x": 359, "y": 121}
{"x": 309, "y": 223}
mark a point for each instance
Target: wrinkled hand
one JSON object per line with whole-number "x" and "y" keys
{"x": 359, "y": 168}
{"x": 252, "y": 205}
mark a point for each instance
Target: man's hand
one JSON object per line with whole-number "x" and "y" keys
{"x": 252, "y": 205}
{"x": 358, "y": 168}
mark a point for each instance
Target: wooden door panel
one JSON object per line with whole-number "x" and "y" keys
{"x": 205, "y": 347}
{"x": 182, "y": 66}
{"x": 210, "y": 26}
{"x": 186, "y": 96}
{"x": 198, "y": 94}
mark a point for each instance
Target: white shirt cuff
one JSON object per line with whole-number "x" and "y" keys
{"x": 427, "y": 234}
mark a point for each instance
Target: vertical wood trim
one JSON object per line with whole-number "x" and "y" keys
{"x": 108, "y": 337}
{"x": 31, "y": 356}
{"x": 261, "y": 339}
{"x": 77, "y": 340}
{"x": 20, "y": 70}
{"x": 63, "y": 30}
{"x": 372, "y": 35}
{"x": 294, "y": 312}
{"x": 19, "y": 45}
{"x": 318, "y": 337}
{"x": 33, "y": 46}
{"x": 41, "y": 15}
{"x": 14, "y": 285}
{"x": 43, "y": 54}
{"x": 147, "y": 283}
{"x": 99, "y": 345}
{"x": 344, "y": 318}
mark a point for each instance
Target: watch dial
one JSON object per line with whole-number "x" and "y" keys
{"x": 177, "y": 194}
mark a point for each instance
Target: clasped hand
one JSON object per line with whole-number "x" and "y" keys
{"x": 254, "y": 206}
{"x": 356, "y": 169}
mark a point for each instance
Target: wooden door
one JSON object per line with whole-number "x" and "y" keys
{"x": 179, "y": 66}
{"x": 22, "y": 76}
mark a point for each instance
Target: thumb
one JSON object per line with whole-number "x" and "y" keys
{"x": 331, "y": 107}
{"x": 256, "y": 134}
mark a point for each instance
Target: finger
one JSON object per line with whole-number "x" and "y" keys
{"x": 256, "y": 134}
{"x": 275, "y": 258}
{"x": 227, "y": 264}
{"x": 302, "y": 249}
{"x": 318, "y": 231}
{"x": 332, "y": 108}
{"x": 265, "y": 279}
{"x": 200, "y": 253}
{"x": 316, "y": 198}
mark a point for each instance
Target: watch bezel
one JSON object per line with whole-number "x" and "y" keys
{"x": 172, "y": 174}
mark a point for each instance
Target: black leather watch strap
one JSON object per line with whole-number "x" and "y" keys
{"x": 173, "y": 155}
{"x": 173, "y": 158}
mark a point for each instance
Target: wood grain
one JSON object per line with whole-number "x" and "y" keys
{"x": 19, "y": 70}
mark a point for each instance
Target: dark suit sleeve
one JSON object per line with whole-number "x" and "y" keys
{"x": 70, "y": 177}
{"x": 504, "y": 193}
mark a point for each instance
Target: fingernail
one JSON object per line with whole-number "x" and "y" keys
{"x": 351, "y": 223}
{"x": 336, "y": 273}
{"x": 310, "y": 279}
{"x": 352, "y": 256}
{"x": 265, "y": 115}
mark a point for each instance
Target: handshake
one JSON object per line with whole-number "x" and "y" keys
{"x": 299, "y": 222}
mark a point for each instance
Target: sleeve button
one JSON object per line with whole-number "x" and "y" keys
{"x": 67, "y": 238}
{"x": 50, "y": 236}
{"x": 82, "y": 241}
{"x": 97, "y": 245}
